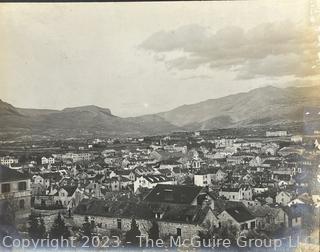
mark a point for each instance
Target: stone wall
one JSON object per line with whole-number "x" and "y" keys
{"x": 165, "y": 228}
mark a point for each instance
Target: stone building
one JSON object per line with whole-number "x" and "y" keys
{"x": 15, "y": 191}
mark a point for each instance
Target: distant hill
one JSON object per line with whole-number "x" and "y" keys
{"x": 7, "y": 109}
{"x": 90, "y": 109}
{"x": 78, "y": 121}
{"x": 267, "y": 105}
{"x": 262, "y": 106}
{"x": 35, "y": 112}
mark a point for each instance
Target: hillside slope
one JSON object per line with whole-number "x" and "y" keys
{"x": 259, "y": 106}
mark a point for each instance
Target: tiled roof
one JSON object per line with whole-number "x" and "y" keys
{"x": 220, "y": 205}
{"x": 124, "y": 179}
{"x": 7, "y": 174}
{"x": 70, "y": 189}
{"x": 156, "y": 178}
{"x": 119, "y": 209}
{"x": 262, "y": 211}
{"x": 189, "y": 214}
{"x": 56, "y": 176}
{"x": 164, "y": 171}
{"x": 177, "y": 194}
{"x": 240, "y": 214}
{"x": 130, "y": 209}
{"x": 171, "y": 161}
{"x": 124, "y": 172}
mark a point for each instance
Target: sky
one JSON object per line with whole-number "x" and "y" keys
{"x": 141, "y": 58}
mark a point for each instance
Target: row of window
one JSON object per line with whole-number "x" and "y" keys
{"x": 244, "y": 226}
{"x": 6, "y": 188}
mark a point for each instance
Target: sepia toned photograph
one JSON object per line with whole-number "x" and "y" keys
{"x": 174, "y": 126}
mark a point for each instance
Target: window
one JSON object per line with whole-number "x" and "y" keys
{"x": 119, "y": 224}
{"x": 5, "y": 188}
{"x": 21, "y": 204}
{"x": 22, "y": 186}
{"x": 178, "y": 232}
{"x": 168, "y": 195}
{"x": 244, "y": 226}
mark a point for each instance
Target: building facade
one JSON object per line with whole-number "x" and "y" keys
{"x": 15, "y": 189}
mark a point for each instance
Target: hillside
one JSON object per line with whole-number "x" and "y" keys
{"x": 263, "y": 106}
{"x": 78, "y": 121}
{"x": 259, "y": 106}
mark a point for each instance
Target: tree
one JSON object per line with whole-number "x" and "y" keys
{"x": 87, "y": 228}
{"x": 7, "y": 210}
{"x": 227, "y": 231}
{"x": 188, "y": 181}
{"x": 59, "y": 229}
{"x": 33, "y": 226}
{"x": 154, "y": 231}
{"x": 42, "y": 229}
{"x": 133, "y": 233}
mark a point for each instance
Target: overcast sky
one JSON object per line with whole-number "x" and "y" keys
{"x": 141, "y": 58}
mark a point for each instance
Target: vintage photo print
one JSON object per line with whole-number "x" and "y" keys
{"x": 187, "y": 125}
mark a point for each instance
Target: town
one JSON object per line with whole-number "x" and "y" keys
{"x": 179, "y": 125}
{"x": 254, "y": 184}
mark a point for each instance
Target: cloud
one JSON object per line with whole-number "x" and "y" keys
{"x": 268, "y": 49}
{"x": 200, "y": 76}
{"x": 164, "y": 41}
{"x": 275, "y": 65}
{"x": 303, "y": 82}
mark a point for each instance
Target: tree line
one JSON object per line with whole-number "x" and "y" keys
{"x": 87, "y": 231}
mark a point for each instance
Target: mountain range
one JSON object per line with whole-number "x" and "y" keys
{"x": 261, "y": 106}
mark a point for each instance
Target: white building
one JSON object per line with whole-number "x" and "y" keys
{"x": 75, "y": 157}
{"x": 202, "y": 179}
{"x": 239, "y": 216}
{"x": 278, "y": 133}
{"x": 47, "y": 179}
{"x": 236, "y": 193}
{"x": 8, "y": 160}
{"x": 296, "y": 139}
{"x": 283, "y": 198}
{"x": 224, "y": 142}
{"x": 47, "y": 160}
{"x": 69, "y": 196}
{"x": 150, "y": 181}
{"x": 220, "y": 175}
